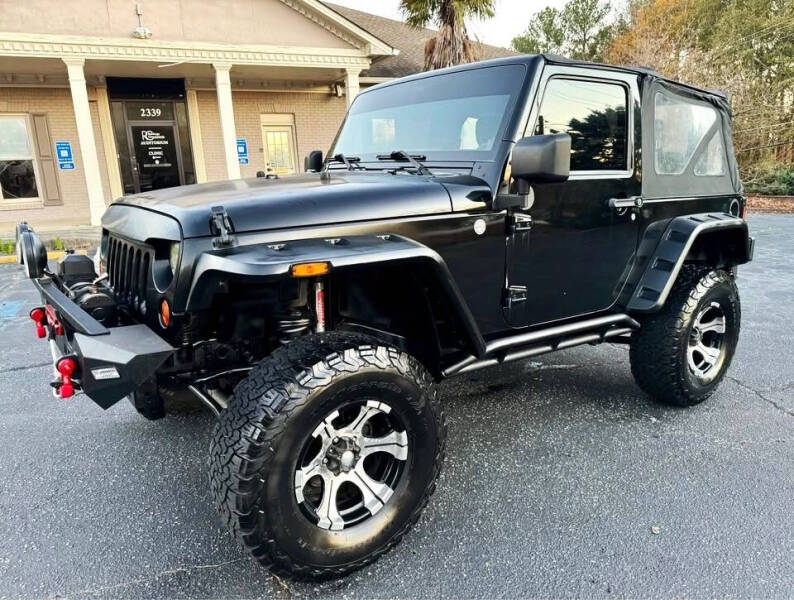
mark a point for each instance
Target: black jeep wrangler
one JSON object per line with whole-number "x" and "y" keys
{"x": 464, "y": 218}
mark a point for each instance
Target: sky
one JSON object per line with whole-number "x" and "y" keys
{"x": 511, "y": 19}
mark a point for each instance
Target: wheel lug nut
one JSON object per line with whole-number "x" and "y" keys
{"x": 325, "y": 461}
{"x": 336, "y": 440}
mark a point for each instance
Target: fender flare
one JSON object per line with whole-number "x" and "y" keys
{"x": 664, "y": 264}
{"x": 270, "y": 262}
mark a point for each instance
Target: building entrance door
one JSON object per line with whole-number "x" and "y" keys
{"x": 150, "y": 126}
{"x": 278, "y": 141}
{"x": 154, "y": 154}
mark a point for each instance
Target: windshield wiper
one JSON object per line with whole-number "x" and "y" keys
{"x": 349, "y": 161}
{"x": 402, "y": 155}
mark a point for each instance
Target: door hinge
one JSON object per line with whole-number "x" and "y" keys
{"x": 513, "y": 294}
{"x": 520, "y": 222}
{"x": 221, "y": 226}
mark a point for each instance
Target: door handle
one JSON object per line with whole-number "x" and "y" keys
{"x": 630, "y": 202}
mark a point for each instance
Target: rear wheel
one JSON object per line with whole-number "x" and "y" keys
{"x": 327, "y": 454}
{"x": 680, "y": 355}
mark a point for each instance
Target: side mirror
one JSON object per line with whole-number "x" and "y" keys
{"x": 542, "y": 158}
{"x": 313, "y": 163}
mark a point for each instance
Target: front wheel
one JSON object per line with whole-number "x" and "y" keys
{"x": 327, "y": 454}
{"x": 680, "y": 354}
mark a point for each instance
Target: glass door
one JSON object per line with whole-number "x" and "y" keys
{"x": 279, "y": 149}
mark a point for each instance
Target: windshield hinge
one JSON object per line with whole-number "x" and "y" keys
{"x": 513, "y": 294}
{"x": 520, "y": 222}
{"x": 221, "y": 226}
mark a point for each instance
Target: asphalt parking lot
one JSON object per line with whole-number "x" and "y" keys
{"x": 557, "y": 471}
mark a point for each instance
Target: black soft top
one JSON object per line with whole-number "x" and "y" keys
{"x": 686, "y": 183}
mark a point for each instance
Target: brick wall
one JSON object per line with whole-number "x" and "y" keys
{"x": 56, "y": 103}
{"x": 317, "y": 118}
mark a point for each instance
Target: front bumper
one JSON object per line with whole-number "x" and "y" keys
{"x": 112, "y": 363}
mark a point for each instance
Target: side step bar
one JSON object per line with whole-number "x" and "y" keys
{"x": 541, "y": 341}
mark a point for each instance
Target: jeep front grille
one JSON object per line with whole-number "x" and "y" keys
{"x": 128, "y": 268}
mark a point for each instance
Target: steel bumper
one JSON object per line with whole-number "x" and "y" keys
{"x": 112, "y": 362}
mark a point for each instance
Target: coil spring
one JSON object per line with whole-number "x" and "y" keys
{"x": 292, "y": 326}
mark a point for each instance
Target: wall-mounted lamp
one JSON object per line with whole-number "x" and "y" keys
{"x": 141, "y": 32}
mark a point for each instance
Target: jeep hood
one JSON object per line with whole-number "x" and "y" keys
{"x": 296, "y": 201}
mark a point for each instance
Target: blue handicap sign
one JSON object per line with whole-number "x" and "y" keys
{"x": 242, "y": 151}
{"x": 63, "y": 152}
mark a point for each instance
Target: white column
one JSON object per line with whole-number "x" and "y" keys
{"x": 85, "y": 135}
{"x": 223, "y": 85}
{"x": 109, "y": 143}
{"x": 352, "y": 85}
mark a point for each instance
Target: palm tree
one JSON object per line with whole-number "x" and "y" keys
{"x": 451, "y": 45}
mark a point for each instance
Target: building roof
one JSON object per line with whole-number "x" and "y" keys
{"x": 408, "y": 40}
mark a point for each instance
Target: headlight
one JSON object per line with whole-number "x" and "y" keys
{"x": 173, "y": 257}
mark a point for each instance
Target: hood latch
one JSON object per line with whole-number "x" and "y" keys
{"x": 221, "y": 226}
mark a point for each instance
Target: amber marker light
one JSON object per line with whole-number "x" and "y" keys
{"x": 310, "y": 269}
{"x": 165, "y": 313}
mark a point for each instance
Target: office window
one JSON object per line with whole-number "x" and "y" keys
{"x": 594, "y": 114}
{"x": 17, "y": 169}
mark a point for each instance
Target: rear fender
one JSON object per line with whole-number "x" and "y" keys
{"x": 719, "y": 239}
{"x": 271, "y": 262}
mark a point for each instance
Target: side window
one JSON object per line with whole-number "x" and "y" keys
{"x": 712, "y": 161}
{"x": 679, "y": 127}
{"x": 594, "y": 115}
{"x": 17, "y": 172}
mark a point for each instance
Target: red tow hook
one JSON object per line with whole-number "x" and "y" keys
{"x": 38, "y": 315}
{"x": 66, "y": 366}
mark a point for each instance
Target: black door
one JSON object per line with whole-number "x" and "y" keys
{"x": 568, "y": 253}
{"x": 156, "y": 161}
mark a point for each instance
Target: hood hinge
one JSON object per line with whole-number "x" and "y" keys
{"x": 221, "y": 226}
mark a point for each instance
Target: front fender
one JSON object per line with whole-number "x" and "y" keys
{"x": 269, "y": 262}
{"x": 674, "y": 248}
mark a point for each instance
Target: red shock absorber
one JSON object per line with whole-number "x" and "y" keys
{"x": 66, "y": 366}
{"x": 38, "y": 315}
{"x": 319, "y": 306}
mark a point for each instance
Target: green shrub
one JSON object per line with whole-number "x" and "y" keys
{"x": 57, "y": 244}
{"x": 770, "y": 180}
{"x": 7, "y": 247}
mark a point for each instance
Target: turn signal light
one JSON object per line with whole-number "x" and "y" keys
{"x": 38, "y": 315}
{"x": 66, "y": 367}
{"x": 310, "y": 269}
{"x": 165, "y": 313}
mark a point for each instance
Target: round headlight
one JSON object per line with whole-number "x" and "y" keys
{"x": 173, "y": 257}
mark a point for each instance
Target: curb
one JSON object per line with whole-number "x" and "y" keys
{"x": 11, "y": 259}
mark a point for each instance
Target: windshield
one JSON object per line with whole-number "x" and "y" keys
{"x": 452, "y": 117}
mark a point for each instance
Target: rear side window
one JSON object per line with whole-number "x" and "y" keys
{"x": 679, "y": 128}
{"x": 712, "y": 161}
{"x": 594, "y": 114}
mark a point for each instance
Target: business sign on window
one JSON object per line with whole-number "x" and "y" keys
{"x": 154, "y": 144}
{"x": 63, "y": 151}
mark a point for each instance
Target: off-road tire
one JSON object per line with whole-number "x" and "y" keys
{"x": 252, "y": 470}
{"x": 658, "y": 350}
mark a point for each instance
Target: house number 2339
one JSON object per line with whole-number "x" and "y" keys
{"x": 151, "y": 112}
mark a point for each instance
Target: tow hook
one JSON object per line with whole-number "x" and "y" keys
{"x": 38, "y": 315}
{"x": 65, "y": 367}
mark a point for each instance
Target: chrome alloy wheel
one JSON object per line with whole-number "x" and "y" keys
{"x": 706, "y": 349}
{"x": 349, "y": 467}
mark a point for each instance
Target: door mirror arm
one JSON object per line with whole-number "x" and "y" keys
{"x": 536, "y": 159}
{"x": 524, "y": 198}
